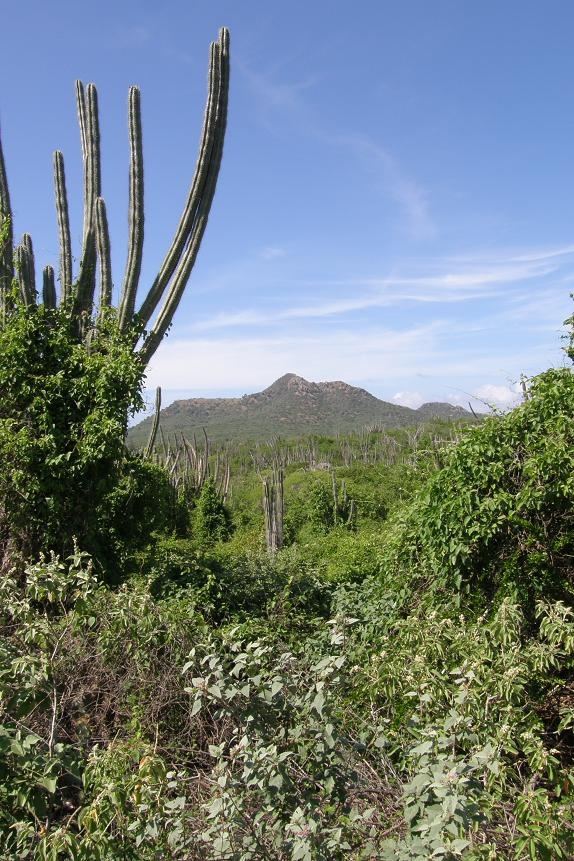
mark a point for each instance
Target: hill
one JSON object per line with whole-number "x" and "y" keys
{"x": 291, "y": 406}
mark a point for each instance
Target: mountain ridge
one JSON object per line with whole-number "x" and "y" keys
{"x": 291, "y": 406}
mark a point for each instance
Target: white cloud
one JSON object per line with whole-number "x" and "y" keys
{"x": 272, "y": 252}
{"x": 224, "y": 321}
{"x": 544, "y": 253}
{"x": 250, "y": 362}
{"x": 502, "y": 397}
{"x": 408, "y": 399}
{"x": 389, "y": 360}
{"x": 479, "y": 277}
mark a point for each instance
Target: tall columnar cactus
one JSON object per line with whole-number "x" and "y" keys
{"x": 273, "y": 509}
{"x": 6, "y": 239}
{"x": 167, "y": 288}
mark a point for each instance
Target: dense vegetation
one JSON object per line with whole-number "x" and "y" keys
{"x": 396, "y": 682}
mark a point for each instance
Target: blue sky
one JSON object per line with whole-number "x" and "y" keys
{"x": 396, "y": 201}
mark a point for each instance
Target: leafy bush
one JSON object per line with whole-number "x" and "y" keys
{"x": 142, "y": 502}
{"x": 63, "y": 412}
{"x": 40, "y": 773}
{"x": 230, "y": 587}
{"x": 280, "y": 785}
{"x": 211, "y": 519}
{"x": 342, "y": 556}
{"x": 466, "y": 689}
{"x": 90, "y": 681}
{"x": 499, "y": 517}
{"x": 329, "y": 506}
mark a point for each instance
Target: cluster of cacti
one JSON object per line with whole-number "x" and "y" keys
{"x": 188, "y": 464}
{"x": 95, "y": 256}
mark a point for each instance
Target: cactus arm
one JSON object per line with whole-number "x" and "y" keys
{"x": 210, "y": 171}
{"x": 215, "y": 111}
{"x": 30, "y": 265}
{"x": 83, "y": 124}
{"x": 81, "y": 108}
{"x": 154, "y": 425}
{"x": 94, "y": 133}
{"x": 6, "y": 238}
{"x": 92, "y": 190}
{"x": 104, "y": 254}
{"x": 136, "y": 211}
{"x": 63, "y": 226}
{"x": 48, "y": 287}
{"x": 20, "y": 269}
{"x": 25, "y": 270}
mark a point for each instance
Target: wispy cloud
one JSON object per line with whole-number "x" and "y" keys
{"x": 543, "y": 254}
{"x": 412, "y": 198}
{"x": 481, "y": 281}
{"x": 272, "y": 252}
{"x": 394, "y": 178}
{"x": 271, "y": 93}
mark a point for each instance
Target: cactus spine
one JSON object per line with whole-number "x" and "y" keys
{"x": 167, "y": 288}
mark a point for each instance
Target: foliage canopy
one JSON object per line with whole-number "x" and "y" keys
{"x": 63, "y": 413}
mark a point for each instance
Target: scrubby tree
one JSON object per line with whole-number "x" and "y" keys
{"x": 212, "y": 520}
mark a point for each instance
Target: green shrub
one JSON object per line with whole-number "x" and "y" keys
{"x": 142, "y": 502}
{"x": 341, "y": 556}
{"x": 211, "y": 518}
{"x": 228, "y": 587}
{"x": 476, "y": 715}
{"x": 63, "y": 412}
{"x": 499, "y": 517}
{"x": 286, "y": 781}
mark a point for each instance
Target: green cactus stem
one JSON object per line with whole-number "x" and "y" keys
{"x": 88, "y": 106}
{"x": 63, "y": 226}
{"x": 25, "y": 270}
{"x": 81, "y": 108}
{"x": 136, "y": 211}
{"x": 48, "y": 287}
{"x": 155, "y": 424}
{"x": 104, "y": 254}
{"x": 6, "y": 237}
